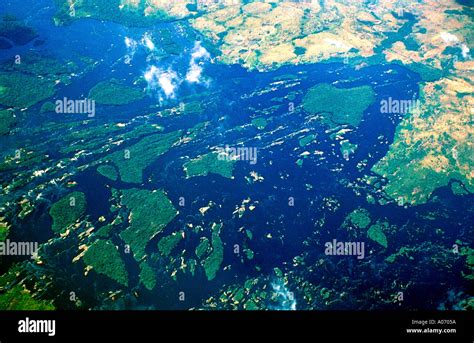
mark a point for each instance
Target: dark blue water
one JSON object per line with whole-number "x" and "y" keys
{"x": 225, "y": 107}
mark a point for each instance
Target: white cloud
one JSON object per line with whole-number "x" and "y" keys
{"x": 167, "y": 80}
{"x": 131, "y": 45}
{"x": 147, "y": 42}
{"x": 194, "y": 73}
{"x": 449, "y": 37}
{"x": 465, "y": 51}
{"x": 199, "y": 52}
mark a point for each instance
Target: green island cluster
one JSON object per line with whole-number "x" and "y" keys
{"x": 15, "y": 296}
{"x": 209, "y": 164}
{"x": 339, "y": 105}
{"x": 257, "y": 293}
{"x": 403, "y": 252}
{"x": 18, "y": 298}
{"x": 168, "y": 243}
{"x": 4, "y": 230}
{"x": 214, "y": 259}
{"x": 185, "y": 108}
{"x": 360, "y": 218}
{"x": 249, "y": 296}
{"x": 376, "y": 233}
{"x": 26, "y": 159}
{"x": 108, "y": 10}
{"x": 91, "y": 138}
{"x": 32, "y": 80}
{"x": 347, "y": 148}
{"x": 150, "y": 212}
{"x": 108, "y": 171}
{"x": 67, "y": 211}
{"x": 7, "y": 121}
{"x": 26, "y": 208}
{"x": 131, "y": 161}
{"x": 203, "y": 247}
{"x": 114, "y": 92}
{"x": 306, "y": 140}
{"x": 35, "y": 64}
{"x": 105, "y": 259}
{"x": 22, "y": 90}
{"x": 469, "y": 254}
{"x": 193, "y": 107}
{"x": 147, "y": 276}
{"x": 260, "y": 123}
{"x": 105, "y": 231}
{"x": 458, "y": 189}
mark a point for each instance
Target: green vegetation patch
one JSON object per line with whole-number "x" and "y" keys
{"x": 260, "y": 123}
{"x": 23, "y": 90}
{"x": 203, "y": 247}
{"x": 403, "y": 252}
{"x": 32, "y": 78}
{"x": 108, "y": 171}
{"x": 339, "y": 105}
{"x": 19, "y": 299}
{"x": 133, "y": 160}
{"x": 360, "y": 218}
{"x": 249, "y": 254}
{"x": 307, "y": 140}
{"x": 185, "y": 108}
{"x": 147, "y": 276}
{"x": 458, "y": 189}
{"x": 4, "y": 231}
{"x": 114, "y": 92}
{"x": 26, "y": 208}
{"x": 347, "y": 148}
{"x": 112, "y": 10}
{"x": 209, "y": 163}
{"x": 426, "y": 72}
{"x": 104, "y": 231}
{"x": 150, "y": 212}
{"x": 67, "y": 211}
{"x": 105, "y": 259}
{"x": 7, "y": 121}
{"x": 376, "y": 234}
{"x": 168, "y": 243}
{"x": 469, "y": 254}
{"x": 36, "y": 64}
{"x": 213, "y": 262}
{"x": 193, "y": 107}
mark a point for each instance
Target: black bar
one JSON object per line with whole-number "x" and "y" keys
{"x": 92, "y": 325}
